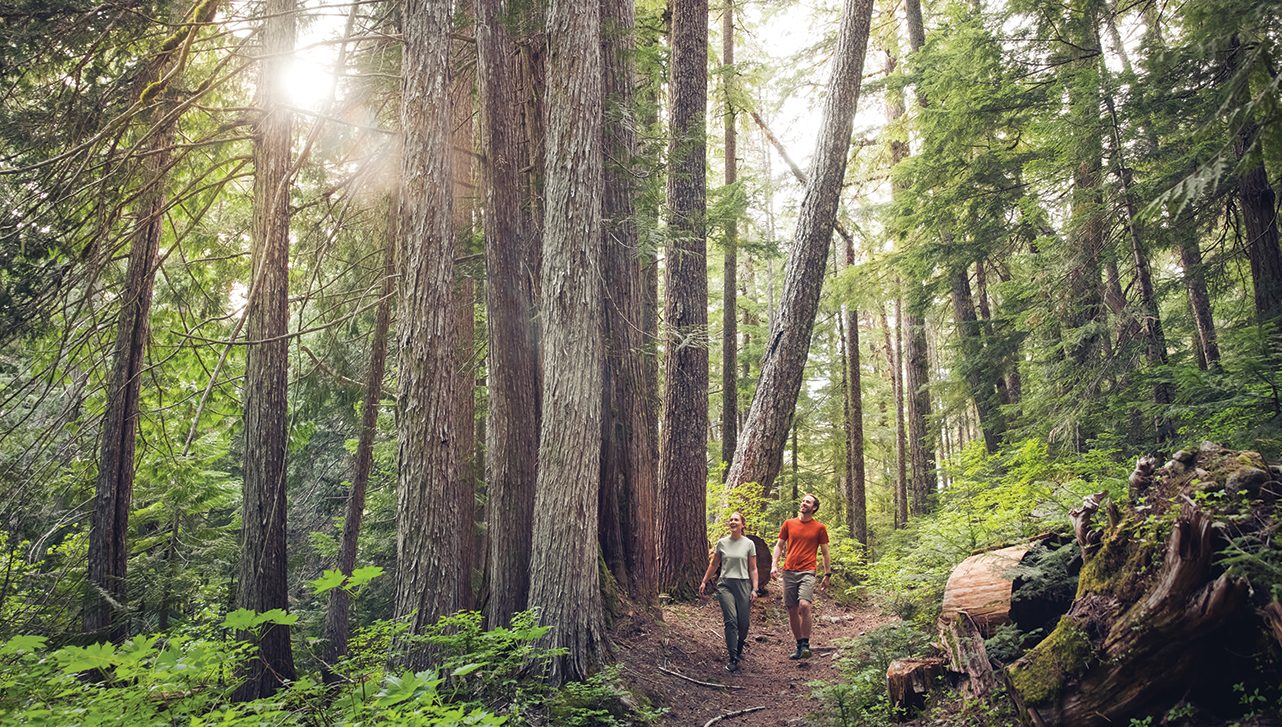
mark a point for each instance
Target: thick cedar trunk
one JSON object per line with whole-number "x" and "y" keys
{"x": 628, "y": 485}
{"x": 766, "y": 431}
{"x": 729, "y": 283}
{"x": 428, "y": 501}
{"x": 564, "y": 581}
{"x": 512, "y": 437}
{"x": 262, "y": 578}
{"x": 464, "y": 185}
{"x": 683, "y": 465}
{"x": 338, "y": 613}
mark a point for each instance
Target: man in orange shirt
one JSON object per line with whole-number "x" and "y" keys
{"x": 804, "y": 535}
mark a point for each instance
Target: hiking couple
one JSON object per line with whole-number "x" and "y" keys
{"x": 736, "y": 556}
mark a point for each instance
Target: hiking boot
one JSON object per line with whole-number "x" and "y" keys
{"x": 733, "y": 665}
{"x": 800, "y": 653}
{"x": 805, "y": 649}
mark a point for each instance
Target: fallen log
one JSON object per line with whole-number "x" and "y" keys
{"x": 981, "y": 586}
{"x": 730, "y": 715}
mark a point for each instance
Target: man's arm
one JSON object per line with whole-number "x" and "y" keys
{"x": 823, "y": 585}
{"x": 774, "y": 563}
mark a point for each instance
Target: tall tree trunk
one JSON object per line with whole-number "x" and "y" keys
{"x": 980, "y": 374}
{"x": 628, "y": 465}
{"x": 916, "y": 378}
{"x": 683, "y": 463}
{"x": 512, "y": 432}
{"x": 729, "y": 282}
{"x": 427, "y": 524}
{"x": 564, "y": 580}
{"x": 1195, "y": 283}
{"x": 895, "y": 359}
{"x": 857, "y": 520}
{"x": 338, "y": 612}
{"x": 1086, "y": 239}
{"x": 765, "y": 433}
{"x": 262, "y": 579}
{"x": 464, "y": 165}
{"x": 1259, "y": 217}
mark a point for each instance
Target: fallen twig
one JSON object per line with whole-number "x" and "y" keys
{"x": 715, "y": 720}
{"x": 696, "y": 681}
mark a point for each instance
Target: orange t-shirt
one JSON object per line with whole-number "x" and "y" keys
{"x": 803, "y": 541}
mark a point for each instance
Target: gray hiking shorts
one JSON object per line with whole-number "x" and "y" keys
{"x": 798, "y": 586}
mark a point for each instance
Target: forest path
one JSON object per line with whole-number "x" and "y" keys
{"x": 689, "y": 641}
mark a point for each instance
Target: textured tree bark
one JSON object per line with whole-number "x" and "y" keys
{"x": 338, "y": 612}
{"x": 857, "y": 514}
{"x": 1199, "y": 299}
{"x": 981, "y": 375}
{"x": 628, "y": 486}
{"x": 564, "y": 580}
{"x": 262, "y": 581}
{"x": 428, "y": 502}
{"x": 1259, "y": 217}
{"x": 512, "y": 438}
{"x": 916, "y": 377}
{"x": 729, "y": 282}
{"x": 105, "y": 614}
{"x": 766, "y": 430}
{"x": 683, "y": 464}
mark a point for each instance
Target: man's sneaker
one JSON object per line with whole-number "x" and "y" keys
{"x": 733, "y": 665}
{"x": 804, "y": 649}
{"x": 800, "y": 653}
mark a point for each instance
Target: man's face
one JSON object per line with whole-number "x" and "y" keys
{"x": 807, "y": 504}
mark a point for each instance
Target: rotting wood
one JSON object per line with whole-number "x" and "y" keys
{"x": 964, "y": 645}
{"x": 908, "y": 681}
{"x": 1081, "y": 519}
{"x": 981, "y": 586}
{"x": 730, "y": 715}
{"x": 696, "y": 681}
{"x": 1272, "y": 615}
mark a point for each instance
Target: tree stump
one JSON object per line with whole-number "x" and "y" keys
{"x": 908, "y": 681}
{"x": 1154, "y": 619}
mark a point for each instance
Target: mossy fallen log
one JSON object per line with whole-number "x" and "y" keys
{"x": 1157, "y": 618}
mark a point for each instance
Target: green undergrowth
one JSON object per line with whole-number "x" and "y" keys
{"x": 187, "y": 677}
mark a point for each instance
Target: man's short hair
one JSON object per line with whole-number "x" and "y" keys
{"x": 814, "y": 497}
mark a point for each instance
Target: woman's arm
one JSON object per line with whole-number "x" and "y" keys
{"x": 712, "y": 568}
{"x": 752, "y": 573}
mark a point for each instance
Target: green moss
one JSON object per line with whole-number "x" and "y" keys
{"x": 1041, "y": 674}
{"x": 152, "y": 90}
{"x": 1120, "y": 567}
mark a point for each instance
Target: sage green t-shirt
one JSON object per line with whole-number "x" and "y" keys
{"x": 734, "y": 556}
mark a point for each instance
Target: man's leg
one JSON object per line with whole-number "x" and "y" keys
{"x": 802, "y": 629}
{"x": 794, "y": 622}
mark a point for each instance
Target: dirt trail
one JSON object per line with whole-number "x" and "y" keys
{"x": 689, "y": 641}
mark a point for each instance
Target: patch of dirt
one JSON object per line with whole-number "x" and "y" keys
{"x": 689, "y": 641}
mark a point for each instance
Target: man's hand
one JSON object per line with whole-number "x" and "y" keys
{"x": 823, "y": 584}
{"x": 774, "y": 572}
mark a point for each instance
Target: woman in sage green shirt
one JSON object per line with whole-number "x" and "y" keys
{"x": 736, "y": 555}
